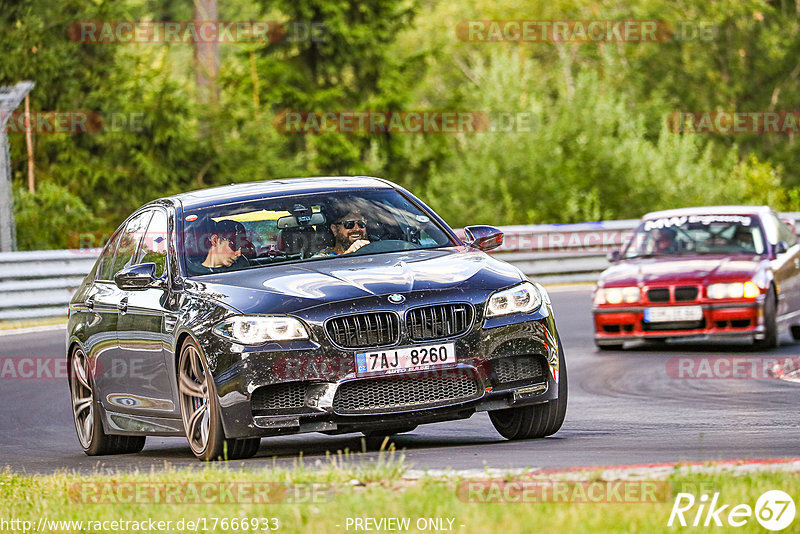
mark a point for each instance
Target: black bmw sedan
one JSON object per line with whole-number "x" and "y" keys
{"x": 327, "y": 305}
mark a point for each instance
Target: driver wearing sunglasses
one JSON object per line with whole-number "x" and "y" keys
{"x": 350, "y": 234}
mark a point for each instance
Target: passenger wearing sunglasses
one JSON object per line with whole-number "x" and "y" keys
{"x": 350, "y": 234}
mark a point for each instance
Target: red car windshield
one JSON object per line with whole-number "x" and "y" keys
{"x": 697, "y": 234}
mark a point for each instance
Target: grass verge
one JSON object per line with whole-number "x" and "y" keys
{"x": 31, "y": 323}
{"x": 330, "y": 497}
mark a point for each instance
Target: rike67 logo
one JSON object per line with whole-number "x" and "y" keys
{"x": 774, "y": 510}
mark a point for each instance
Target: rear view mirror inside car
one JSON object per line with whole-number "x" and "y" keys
{"x": 293, "y": 221}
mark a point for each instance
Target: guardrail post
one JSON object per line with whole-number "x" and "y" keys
{"x": 10, "y": 97}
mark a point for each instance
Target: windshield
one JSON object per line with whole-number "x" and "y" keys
{"x": 303, "y": 228}
{"x": 697, "y": 234}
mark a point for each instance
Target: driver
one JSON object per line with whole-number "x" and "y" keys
{"x": 663, "y": 242}
{"x": 220, "y": 238}
{"x": 743, "y": 239}
{"x": 349, "y": 233}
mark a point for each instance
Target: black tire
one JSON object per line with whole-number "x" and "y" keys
{"x": 537, "y": 420}
{"x": 389, "y": 431}
{"x": 245, "y": 448}
{"x": 770, "y": 340}
{"x": 609, "y": 346}
{"x": 795, "y": 329}
{"x": 86, "y": 413}
{"x": 200, "y": 411}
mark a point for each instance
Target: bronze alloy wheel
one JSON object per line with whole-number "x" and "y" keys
{"x": 86, "y": 413}
{"x": 82, "y": 397}
{"x": 193, "y": 387}
{"x": 202, "y": 420}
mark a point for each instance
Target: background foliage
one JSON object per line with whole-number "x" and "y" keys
{"x": 598, "y": 148}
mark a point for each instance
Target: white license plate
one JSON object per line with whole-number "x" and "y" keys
{"x": 405, "y": 359}
{"x": 673, "y": 314}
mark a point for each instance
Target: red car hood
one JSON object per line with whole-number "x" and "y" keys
{"x": 670, "y": 270}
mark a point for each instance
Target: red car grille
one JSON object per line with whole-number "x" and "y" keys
{"x": 684, "y": 294}
{"x": 658, "y": 295}
{"x": 678, "y": 294}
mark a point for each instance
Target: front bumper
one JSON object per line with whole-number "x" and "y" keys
{"x": 309, "y": 378}
{"x": 724, "y": 321}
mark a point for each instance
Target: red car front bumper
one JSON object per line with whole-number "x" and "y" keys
{"x": 743, "y": 319}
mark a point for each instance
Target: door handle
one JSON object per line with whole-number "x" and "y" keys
{"x": 123, "y": 305}
{"x": 90, "y": 302}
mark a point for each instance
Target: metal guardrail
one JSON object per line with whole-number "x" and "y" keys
{"x": 40, "y": 284}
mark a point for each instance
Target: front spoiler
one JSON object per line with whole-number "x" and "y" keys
{"x": 750, "y": 335}
{"x": 327, "y": 421}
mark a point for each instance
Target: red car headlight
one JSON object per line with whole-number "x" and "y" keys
{"x": 734, "y": 290}
{"x": 617, "y": 295}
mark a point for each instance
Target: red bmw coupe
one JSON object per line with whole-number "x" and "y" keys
{"x": 719, "y": 273}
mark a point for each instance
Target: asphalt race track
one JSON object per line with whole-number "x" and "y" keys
{"x": 626, "y": 407}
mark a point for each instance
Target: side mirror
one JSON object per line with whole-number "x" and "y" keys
{"x": 483, "y": 237}
{"x": 788, "y": 221}
{"x": 614, "y": 256}
{"x": 135, "y": 277}
{"x": 781, "y": 247}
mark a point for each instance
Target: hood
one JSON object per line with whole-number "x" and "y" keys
{"x": 294, "y": 287}
{"x": 701, "y": 269}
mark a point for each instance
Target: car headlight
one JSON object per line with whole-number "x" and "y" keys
{"x": 617, "y": 295}
{"x": 257, "y": 330}
{"x": 543, "y": 292}
{"x": 519, "y": 299}
{"x": 735, "y": 290}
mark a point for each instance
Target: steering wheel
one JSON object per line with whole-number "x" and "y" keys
{"x": 387, "y": 245}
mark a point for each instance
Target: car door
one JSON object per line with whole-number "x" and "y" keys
{"x": 102, "y": 298}
{"x": 786, "y": 235}
{"x": 111, "y": 367}
{"x": 141, "y": 333}
{"x": 785, "y": 265}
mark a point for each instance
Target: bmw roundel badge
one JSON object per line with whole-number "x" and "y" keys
{"x": 396, "y": 298}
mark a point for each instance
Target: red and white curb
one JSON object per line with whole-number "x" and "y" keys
{"x": 789, "y": 370}
{"x": 655, "y": 471}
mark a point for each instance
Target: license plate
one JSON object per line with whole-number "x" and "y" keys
{"x": 405, "y": 359}
{"x": 673, "y": 314}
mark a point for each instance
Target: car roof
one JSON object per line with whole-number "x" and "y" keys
{"x": 278, "y": 187}
{"x": 709, "y": 210}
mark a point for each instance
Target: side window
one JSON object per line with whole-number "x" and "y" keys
{"x": 129, "y": 241}
{"x": 785, "y": 233}
{"x": 154, "y": 245}
{"x": 771, "y": 226}
{"x": 107, "y": 257}
{"x": 777, "y": 230}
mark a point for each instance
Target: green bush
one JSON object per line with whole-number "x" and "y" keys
{"x": 588, "y": 156}
{"x": 52, "y": 217}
